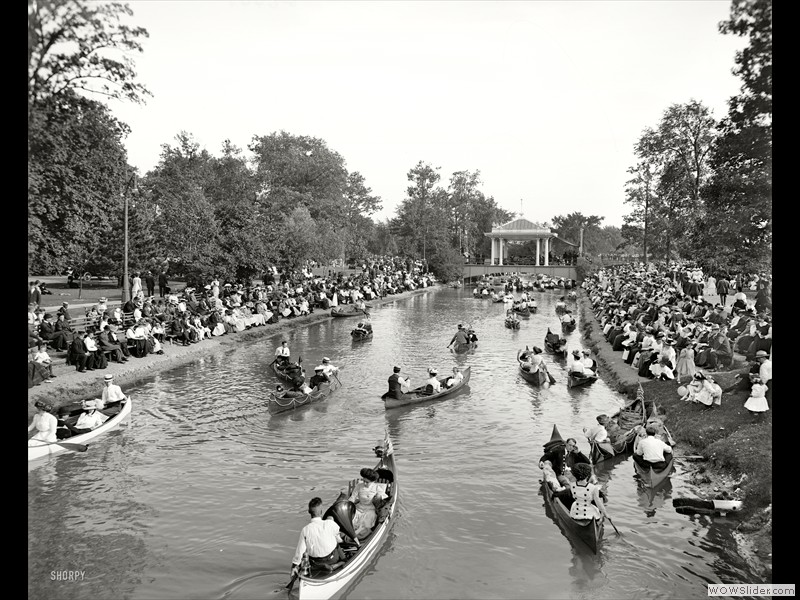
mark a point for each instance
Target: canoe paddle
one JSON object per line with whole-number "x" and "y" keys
{"x": 68, "y": 446}
{"x": 290, "y": 585}
{"x": 614, "y": 526}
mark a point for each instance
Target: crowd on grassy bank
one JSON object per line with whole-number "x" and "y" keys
{"x": 736, "y": 445}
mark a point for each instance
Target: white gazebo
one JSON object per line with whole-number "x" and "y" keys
{"x": 519, "y": 230}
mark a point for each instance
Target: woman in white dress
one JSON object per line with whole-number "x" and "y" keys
{"x": 363, "y": 495}
{"x": 711, "y": 286}
{"x": 45, "y": 425}
{"x": 757, "y": 402}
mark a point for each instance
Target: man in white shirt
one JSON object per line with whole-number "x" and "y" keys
{"x": 282, "y": 353}
{"x": 319, "y": 539}
{"x": 649, "y": 451}
{"x": 112, "y": 393}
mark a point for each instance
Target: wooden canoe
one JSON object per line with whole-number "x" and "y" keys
{"x": 113, "y": 422}
{"x": 538, "y": 378}
{"x": 568, "y": 327}
{"x": 349, "y": 310}
{"x": 588, "y": 532}
{"x": 283, "y": 403}
{"x": 522, "y": 312}
{"x": 460, "y": 348}
{"x": 418, "y": 394}
{"x": 553, "y": 343}
{"x": 287, "y": 373}
{"x": 321, "y": 584}
{"x": 575, "y": 380}
{"x": 652, "y": 478}
{"x": 360, "y": 334}
{"x": 512, "y": 323}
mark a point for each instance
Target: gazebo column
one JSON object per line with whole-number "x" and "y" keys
{"x": 492, "y": 245}
{"x": 538, "y": 249}
{"x": 502, "y": 249}
{"x": 546, "y": 252}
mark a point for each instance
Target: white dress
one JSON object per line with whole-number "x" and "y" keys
{"x": 711, "y": 286}
{"x": 45, "y": 425}
{"x": 365, "y": 517}
{"x": 757, "y": 401}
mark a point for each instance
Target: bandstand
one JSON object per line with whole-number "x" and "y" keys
{"x": 520, "y": 230}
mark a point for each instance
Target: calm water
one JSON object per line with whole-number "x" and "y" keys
{"x": 203, "y": 494}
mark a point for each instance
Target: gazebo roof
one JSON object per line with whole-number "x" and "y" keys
{"x": 519, "y": 229}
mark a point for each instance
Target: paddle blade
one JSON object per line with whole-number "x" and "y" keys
{"x": 343, "y": 512}
{"x": 74, "y": 447}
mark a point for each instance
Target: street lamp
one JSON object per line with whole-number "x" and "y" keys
{"x": 126, "y": 294}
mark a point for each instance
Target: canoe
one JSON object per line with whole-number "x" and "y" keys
{"x": 460, "y": 348}
{"x": 360, "y": 334}
{"x": 321, "y": 584}
{"x": 551, "y": 344}
{"x": 418, "y": 394}
{"x": 349, "y": 310}
{"x": 43, "y": 450}
{"x": 652, "y": 478}
{"x": 284, "y": 403}
{"x": 568, "y": 327}
{"x": 584, "y": 531}
{"x": 538, "y": 378}
{"x": 696, "y": 505}
{"x": 575, "y": 380}
{"x": 561, "y": 309}
{"x": 288, "y": 373}
{"x": 512, "y": 323}
{"x": 522, "y": 312}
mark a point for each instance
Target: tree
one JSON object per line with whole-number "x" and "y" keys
{"x": 76, "y": 174}
{"x": 736, "y": 231}
{"x": 187, "y": 222}
{"x": 81, "y": 46}
{"x": 359, "y": 205}
{"x": 418, "y": 211}
{"x": 569, "y": 227}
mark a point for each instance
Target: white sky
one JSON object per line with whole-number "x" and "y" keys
{"x": 546, "y": 99}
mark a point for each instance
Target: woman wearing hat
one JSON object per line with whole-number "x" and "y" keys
{"x": 433, "y": 385}
{"x": 44, "y": 423}
{"x": 90, "y": 418}
{"x": 685, "y": 367}
{"x": 575, "y": 365}
{"x": 318, "y": 378}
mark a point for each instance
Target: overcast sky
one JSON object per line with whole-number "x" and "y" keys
{"x": 545, "y": 99}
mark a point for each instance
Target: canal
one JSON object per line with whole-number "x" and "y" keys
{"x": 202, "y": 495}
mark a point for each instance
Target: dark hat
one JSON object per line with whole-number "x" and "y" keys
{"x": 602, "y": 419}
{"x": 397, "y": 369}
{"x": 555, "y": 440}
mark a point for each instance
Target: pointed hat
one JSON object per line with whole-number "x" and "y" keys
{"x": 555, "y": 440}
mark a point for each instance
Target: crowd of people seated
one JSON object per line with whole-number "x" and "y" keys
{"x": 141, "y": 325}
{"x": 666, "y": 329}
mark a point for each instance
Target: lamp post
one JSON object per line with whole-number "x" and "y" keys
{"x": 126, "y": 294}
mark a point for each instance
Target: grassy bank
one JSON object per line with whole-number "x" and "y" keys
{"x": 736, "y": 446}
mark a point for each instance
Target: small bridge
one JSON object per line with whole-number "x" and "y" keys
{"x": 475, "y": 272}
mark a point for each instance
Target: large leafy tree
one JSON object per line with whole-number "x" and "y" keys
{"x": 76, "y": 177}
{"x": 187, "y": 225}
{"x": 360, "y": 203}
{"x": 82, "y": 46}
{"x": 77, "y": 171}
{"x": 735, "y": 233}
{"x": 569, "y": 228}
